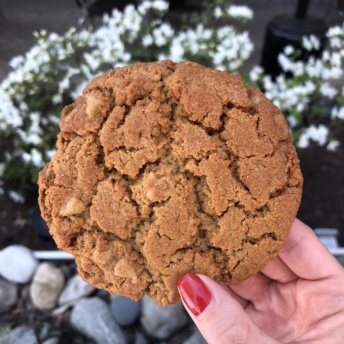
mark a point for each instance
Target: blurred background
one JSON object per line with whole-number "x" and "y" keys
{"x": 21, "y": 18}
{"x": 40, "y": 73}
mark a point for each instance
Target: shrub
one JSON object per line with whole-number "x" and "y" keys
{"x": 309, "y": 92}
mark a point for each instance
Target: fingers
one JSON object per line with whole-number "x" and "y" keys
{"x": 219, "y": 316}
{"x": 257, "y": 287}
{"x": 306, "y": 256}
{"x": 277, "y": 270}
{"x": 253, "y": 289}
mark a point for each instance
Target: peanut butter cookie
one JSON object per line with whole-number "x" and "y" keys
{"x": 165, "y": 168}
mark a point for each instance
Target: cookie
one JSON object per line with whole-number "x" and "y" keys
{"x": 166, "y": 168}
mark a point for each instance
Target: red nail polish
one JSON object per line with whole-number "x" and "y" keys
{"x": 194, "y": 293}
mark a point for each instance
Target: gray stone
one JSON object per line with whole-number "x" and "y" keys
{"x": 20, "y": 335}
{"x": 46, "y": 286}
{"x": 195, "y": 338}
{"x": 8, "y": 295}
{"x": 52, "y": 340}
{"x": 125, "y": 311}
{"x": 75, "y": 289}
{"x": 17, "y": 264}
{"x": 92, "y": 317}
{"x": 140, "y": 338}
{"x": 162, "y": 321}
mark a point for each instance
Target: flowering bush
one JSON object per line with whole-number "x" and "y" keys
{"x": 55, "y": 70}
{"x": 309, "y": 92}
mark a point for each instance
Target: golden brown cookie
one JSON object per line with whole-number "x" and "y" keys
{"x": 166, "y": 168}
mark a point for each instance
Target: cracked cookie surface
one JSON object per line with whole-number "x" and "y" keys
{"x": 165, "y": 168}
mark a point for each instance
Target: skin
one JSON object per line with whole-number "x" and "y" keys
{"x": 297, "y": 298}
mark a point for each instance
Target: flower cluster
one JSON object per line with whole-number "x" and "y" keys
{"x": 309, "y": 92}
{"x": 213, "y": 40}
{"x": 56, "y": 69}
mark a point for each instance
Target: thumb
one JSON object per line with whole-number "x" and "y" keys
{"x": 219, "y": 317}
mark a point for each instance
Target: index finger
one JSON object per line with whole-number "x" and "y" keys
{"x": 305, "y": 254}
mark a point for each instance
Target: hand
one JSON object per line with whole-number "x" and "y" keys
{"x": 297, "y": 298}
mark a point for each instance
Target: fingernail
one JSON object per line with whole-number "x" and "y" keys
{"x": 194, "y": 293}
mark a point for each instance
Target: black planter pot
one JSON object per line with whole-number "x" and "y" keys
{"x": 289, "y": 29}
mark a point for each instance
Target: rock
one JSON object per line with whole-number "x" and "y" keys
{"x": 60, "y": 310}
{"x": 20, "y": 335}
{"x": 75, "y": 289}
{"x": 17, "y": 264}
{"x": 195, "y": 338}
{"x": 8, "y": 295}
{"x": 52, "y": 340}
{"x": 140, "y": 338}
{"x": 46, "y": 286}
{"x": 162, "y": 321}
{"x": 92, "y": 317}
{"x": 125, "y": 311}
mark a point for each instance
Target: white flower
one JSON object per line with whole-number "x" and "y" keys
{"x": 337, "y": 113}
{"x": 335, "y": 31}
{"x": 147, "y": 40}
{"x": 288, "y": 50}
{"x": 327, "y": 90}
{"x": 332, "y": 146}
{"x": 50, "y": 153}
{"x": 256, "y": 73}
{"x": 292, "y": 121}
{"x": 56, "y": 99}
{"x": 218, "y": 12}
{"x": 310, "y": 87}
{"x": 158, "y": 5}
{"x": 167, "y": 29}
{"x": 17, "y": 62}
{"x": 311, "y": 42}
{"x": 131, "y": 21}
{"x": 314, "y": 68}
{"x": 10, "y": 117}
{"x": 335, "y": 42}
{"x": 268, "y": 83}
{"x": 317, "y": 134}
{"x": 29, "y": 138}
{"x": 64, "y": 84}
{"x": 331, "y": 73}
{"x": 300, "y": 107}
{"x": 299, "y": 68}
{"x": 53, "y": 36}
{"x": 16, "y": 197}
{"x": 285, "y": 62}
{"x": 240, "y": 11}
{"x": 36, "y": 158}
{"x": 162, "y": 33}
{"x": 177, "y": 49}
